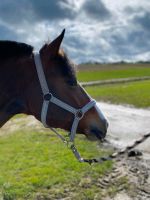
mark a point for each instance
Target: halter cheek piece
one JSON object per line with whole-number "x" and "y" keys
{"x": 48, "y": 97}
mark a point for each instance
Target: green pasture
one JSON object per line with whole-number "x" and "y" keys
{"x": 136, "y": 93}
{"x": 133, "y": 93}
{"x": 104, "y": 72}
{"x": 36, "y": 165}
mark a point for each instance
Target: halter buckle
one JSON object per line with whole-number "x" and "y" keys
{"x": 47, "y": 97}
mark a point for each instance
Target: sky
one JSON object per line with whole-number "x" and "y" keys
{"x": 96, "y": 30}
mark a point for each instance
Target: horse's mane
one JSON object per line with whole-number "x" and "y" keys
{"x": 10, "y": 49}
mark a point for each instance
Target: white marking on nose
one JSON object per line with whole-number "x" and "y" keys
{"x": 100, "y": 113}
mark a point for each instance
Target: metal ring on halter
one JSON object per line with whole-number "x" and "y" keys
{"x": 79, "y": 114}
{"x": 47, "y": 97}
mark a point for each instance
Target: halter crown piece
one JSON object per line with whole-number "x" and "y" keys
{"x": 49, "y": 98}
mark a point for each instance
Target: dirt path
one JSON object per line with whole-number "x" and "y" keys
{"x": 125, "y": 125}
{"x": 130, "y": 180}
{"x": 114, "y": 81}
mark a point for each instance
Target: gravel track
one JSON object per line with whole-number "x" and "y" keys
{"x": 127, "y": 124}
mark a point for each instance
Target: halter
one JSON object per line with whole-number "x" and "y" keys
{"x": 48, "y": 97}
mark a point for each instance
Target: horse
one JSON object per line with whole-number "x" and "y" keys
{"x": 45, "y": 85}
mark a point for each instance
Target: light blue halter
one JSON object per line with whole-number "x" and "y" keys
{"x": 48, "y": 97}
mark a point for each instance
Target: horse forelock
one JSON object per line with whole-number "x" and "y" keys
{"x": 66, "y": 65}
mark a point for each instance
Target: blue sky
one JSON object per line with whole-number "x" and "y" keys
{"x": 96, "y": 30}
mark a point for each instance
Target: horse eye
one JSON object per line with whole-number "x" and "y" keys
{"x": 72, "y": 82}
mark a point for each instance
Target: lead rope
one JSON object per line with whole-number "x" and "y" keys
{"x": 112, "y": 156}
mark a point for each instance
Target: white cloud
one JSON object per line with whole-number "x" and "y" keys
{"x": 100, "y": 30}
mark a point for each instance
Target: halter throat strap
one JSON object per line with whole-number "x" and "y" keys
{"x": 48, "y": 97}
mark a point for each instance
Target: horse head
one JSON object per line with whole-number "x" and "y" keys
{"x": 62, "y": 84}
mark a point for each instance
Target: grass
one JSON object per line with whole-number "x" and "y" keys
{"x": 34, "y": 163}
{"x": 137, "y": 93}
{"x": 109, "y": 72}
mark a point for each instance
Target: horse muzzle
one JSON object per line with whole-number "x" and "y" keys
{"x": 95, "y": 133}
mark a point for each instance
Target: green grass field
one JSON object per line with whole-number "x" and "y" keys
{"x": 87, "y": 73}
{"x": 35, "y": 163}
{"x": 136, "y": 93}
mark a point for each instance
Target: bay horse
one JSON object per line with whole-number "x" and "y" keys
{"x": 44, "y": 85}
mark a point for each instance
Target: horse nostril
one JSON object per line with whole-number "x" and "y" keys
{"x": 98, "y": 133}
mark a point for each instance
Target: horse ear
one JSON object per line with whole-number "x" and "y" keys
{"x": 53, "y": 47}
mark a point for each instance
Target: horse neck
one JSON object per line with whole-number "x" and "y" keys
{"x": 12, "y": 87}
